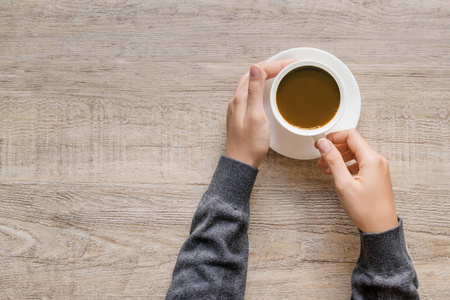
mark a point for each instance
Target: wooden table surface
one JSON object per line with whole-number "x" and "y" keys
{"x": 112, "y": 120}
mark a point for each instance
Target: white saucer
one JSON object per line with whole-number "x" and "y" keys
{"x": 299, "y": 147}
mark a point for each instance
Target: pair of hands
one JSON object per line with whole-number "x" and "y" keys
{"x": 364, "y": 188}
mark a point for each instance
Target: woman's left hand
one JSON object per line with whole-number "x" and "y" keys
{"x": 248, "y": 132}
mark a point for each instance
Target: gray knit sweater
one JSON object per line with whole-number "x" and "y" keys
{"x": 212, "y": 263}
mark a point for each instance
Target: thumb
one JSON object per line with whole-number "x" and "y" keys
{"x": 255, "y": 90}
{"x": 335, "y": 162}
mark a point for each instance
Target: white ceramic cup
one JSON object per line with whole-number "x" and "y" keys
{"x": 318, "y": 133}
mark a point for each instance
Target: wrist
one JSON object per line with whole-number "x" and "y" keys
{"x": 378, "y": 224}
{"x": 246, "y": 159}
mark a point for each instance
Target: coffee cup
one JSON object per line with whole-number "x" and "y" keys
{"x": 310, "y": 98}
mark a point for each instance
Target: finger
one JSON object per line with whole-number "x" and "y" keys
{"x": 271, "y": 69}
{"x": 334, "y": 160}
{"x": 322, "y": 164}
{"x": 255, "y": 91}
{"x": 353, "y": 168}
{"x": 242, "y": 80}
{"x": 241, "y": 89}
{"x": 236, "y": 111}
{"x": 346, "y": 155}
{"x": 354, "y": 140}
{"x": 341, "y": 147}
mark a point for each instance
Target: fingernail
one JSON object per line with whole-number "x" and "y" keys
{"x": 323, "y": 145}
{"x": 254, "y": 72}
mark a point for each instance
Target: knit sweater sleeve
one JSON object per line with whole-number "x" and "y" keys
{"x": 384, "y": 269}
{"x": 212, "y": 263}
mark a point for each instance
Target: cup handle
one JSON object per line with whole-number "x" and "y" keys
{"x": 318, "y": 137}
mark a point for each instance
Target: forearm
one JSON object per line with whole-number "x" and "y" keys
{"x": 212, "y": 263}
{"x": 384, "y": 269}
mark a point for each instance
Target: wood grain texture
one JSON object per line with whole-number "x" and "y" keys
{"x": 112, "y": 120}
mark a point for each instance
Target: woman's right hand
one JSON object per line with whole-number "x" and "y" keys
{"x": 367, "y": 197}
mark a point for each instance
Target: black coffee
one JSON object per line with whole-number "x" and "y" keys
{"x": 308, "y": 97}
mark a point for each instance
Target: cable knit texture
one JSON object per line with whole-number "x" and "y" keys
{"x": 212, "y": 263}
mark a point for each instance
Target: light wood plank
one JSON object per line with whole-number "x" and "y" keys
{"x": 114, "y": 237}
